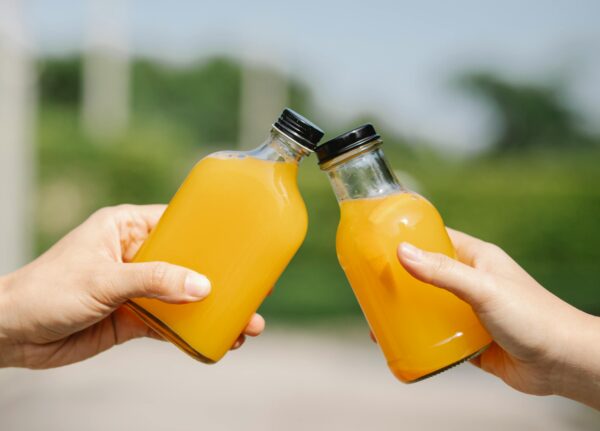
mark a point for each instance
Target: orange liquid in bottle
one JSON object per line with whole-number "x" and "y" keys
{"x": 239, "y": 221}
{"x": 420, "y": 328}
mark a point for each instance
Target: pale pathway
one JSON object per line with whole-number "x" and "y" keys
{"x": 285, "y": 380}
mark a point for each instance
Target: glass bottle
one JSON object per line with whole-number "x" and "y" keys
{"x": 421, "y": 329}
{"x": 238, "y": 218}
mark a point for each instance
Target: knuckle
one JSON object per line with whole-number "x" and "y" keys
{"x": 101, "y": 287}
{"x": 487, "y": 290}
{"x": 109, "y": 212}
{"x": 157, "y": 278}
{"x": 488, "y": 255}
{"x": 102, "y": 217}
{"x": 123, "y": 208}
{"x": 441, "y": 265}
{"x": 103, "y": 213}
{"x": 494, "y": 250}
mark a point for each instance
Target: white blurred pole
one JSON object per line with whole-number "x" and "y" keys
{"x": 105, "y": 110}
{"x": 17, "y": 99}
{"x": 264, "y": 94}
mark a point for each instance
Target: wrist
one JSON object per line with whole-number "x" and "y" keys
{"x": 578, "y": 371}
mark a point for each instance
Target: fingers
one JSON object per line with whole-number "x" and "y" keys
{"x": 255, "y": 326}
{"x": 123, "y": 227}
{"x": 159, "y": 280}
{"x": 467, "y": 247}
{"x": 239, "y": 342}
{"x": 169, "y": 283}
{"x": 465, "y": 282}
{"x": 148, "y": 214}
{"x": 134, "y": 224}
{"x": 127, "y": 216}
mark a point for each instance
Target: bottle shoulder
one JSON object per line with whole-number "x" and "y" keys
{"x": 226, "y": 154}
{"x": 383, "y": 215}
{"x": 377, "y": 227}
{"x": 246, "y": 179}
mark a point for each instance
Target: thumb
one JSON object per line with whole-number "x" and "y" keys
{"x": 159, "y": 280}
{"x": 466, "y": 282}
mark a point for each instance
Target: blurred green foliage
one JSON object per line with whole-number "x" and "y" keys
{"x": 542, "y": 205}
{"x": 60, "y": 81}
{"x": 529, "y": 115}
{"x": 172, "y": 94}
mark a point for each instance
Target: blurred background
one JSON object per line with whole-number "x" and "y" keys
{"x": 489, "y": 109}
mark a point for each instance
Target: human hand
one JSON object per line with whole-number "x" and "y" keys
{"x": 66, "y": 305}
{"x": 542, "y": 345}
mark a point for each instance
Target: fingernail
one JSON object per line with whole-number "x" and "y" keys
{"x": 411, "y": 252}
{"x": 196, "y": 285}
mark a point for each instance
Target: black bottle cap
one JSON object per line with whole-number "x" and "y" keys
{"x": 346, "y": 142}
{"x": 299, "y": 129}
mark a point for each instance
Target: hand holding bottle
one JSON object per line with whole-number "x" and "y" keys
{"x": 66, "y": 305}
{"x": 542, "y": 344}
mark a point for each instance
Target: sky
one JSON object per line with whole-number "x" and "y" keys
{"x": 395, "y": 59}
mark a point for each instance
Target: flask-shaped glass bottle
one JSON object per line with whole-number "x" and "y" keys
{"x": 421, "y": 329}
{"x": 238, "y": 218}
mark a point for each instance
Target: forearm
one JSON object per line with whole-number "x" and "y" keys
{"x": 580, "y": 376}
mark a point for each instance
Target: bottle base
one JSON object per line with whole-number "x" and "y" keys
{"x": 447, "y": 367}
{"x": 158, "y": 326}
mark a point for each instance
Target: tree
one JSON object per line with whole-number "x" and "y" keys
{"x": 528, "y": 115}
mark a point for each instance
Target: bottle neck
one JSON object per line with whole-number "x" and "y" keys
{"x": 361, "y": 173}
{"x": 280, "y": 148}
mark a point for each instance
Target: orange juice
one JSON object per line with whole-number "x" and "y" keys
{"x": 421, "y": 329}
{"x": 238, "y": 219}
